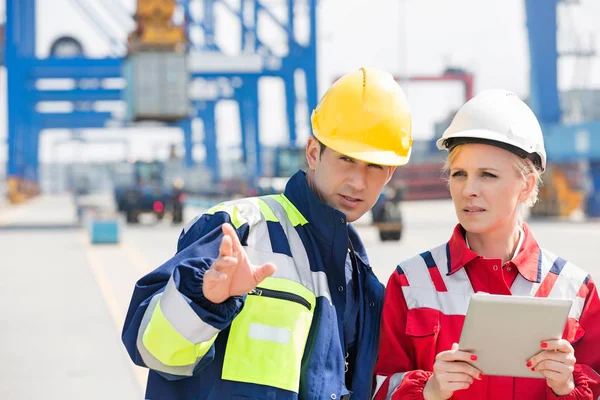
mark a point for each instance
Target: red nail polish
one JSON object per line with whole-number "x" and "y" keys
{"x": 473, "y": 357}
{"x": 533, "y": 369}
{"x": 544, "y": 345}
{"x": 480, "y": 375}
{"x": 529, "y": 363}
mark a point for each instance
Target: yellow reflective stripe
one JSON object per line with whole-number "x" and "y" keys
{"x": 266, "y": 348}
{"x": 234, "y": 213}
{"x": 266, "y": 211}
{"x": 203, "y": 348}
{"x": 167, "y": 345}
{"x": 214, "y": 209}
{"x": 295, "y": 217}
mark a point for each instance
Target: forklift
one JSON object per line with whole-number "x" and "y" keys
{"x": 386, "y": 214}
{"x": 141, "y": 188}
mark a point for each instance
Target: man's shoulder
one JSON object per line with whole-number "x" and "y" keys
{"x": 242, "y": 213}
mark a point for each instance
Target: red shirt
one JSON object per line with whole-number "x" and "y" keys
{"x": 426, "y": 302}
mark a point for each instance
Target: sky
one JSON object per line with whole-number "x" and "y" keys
{"x": 405, "y": 37}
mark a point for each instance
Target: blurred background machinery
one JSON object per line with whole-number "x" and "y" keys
{"x": 171, "y": 72}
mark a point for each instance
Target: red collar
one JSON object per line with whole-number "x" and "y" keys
{"x": 528, "y": 261}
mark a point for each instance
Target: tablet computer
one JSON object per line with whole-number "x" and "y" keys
{"x": 505, "y": 331}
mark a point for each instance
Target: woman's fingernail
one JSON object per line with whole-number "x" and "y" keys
{"x": 533, "y": 369}
{"x": 480, "y": 375}
{"x": 544, "y": 345}
{"x": 473, "y": 357}
{"x": 529, "y": 363}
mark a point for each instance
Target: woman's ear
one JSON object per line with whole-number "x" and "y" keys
{"x": 528, "y": 187}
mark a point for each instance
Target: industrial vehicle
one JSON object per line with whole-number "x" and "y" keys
{"x": 141, "y": 187}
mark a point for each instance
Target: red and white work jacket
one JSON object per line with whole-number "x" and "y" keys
{"x": 426, "y": 302}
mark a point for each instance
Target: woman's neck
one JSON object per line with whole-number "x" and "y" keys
{"x": 499, "y": 244}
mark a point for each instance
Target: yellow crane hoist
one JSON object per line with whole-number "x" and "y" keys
{"x": 155, "y": 28}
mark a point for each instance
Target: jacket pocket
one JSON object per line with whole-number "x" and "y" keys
{"x": 422, "y": 328}
{"x": 267, "y": 339}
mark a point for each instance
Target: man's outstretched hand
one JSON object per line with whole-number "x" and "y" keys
{"x": 232, "y": 274}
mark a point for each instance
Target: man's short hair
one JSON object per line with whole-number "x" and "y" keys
{"x": 323, "y": 147}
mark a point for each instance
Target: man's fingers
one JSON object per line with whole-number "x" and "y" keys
{"x": 213, "y": 276}
{"x": 226, "y": 247}
{"x": 224, "y": 264}
{"x": 264, "y": 271}
{"x": 228, "y": 230}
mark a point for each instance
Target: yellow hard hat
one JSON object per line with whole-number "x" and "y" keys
{"x": 365, "y": 115}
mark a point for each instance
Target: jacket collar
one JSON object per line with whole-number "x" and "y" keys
{"x": 323, "y": 218}
{"x": 528, "y": 260}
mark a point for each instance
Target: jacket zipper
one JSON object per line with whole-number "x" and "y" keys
{"x": 277, "y": 294}
{"x": 375, "y": 354}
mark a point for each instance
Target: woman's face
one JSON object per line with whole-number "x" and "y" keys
{"x": 485, "y": 187}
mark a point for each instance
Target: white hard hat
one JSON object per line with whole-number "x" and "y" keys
{"x": 497, "y": 117}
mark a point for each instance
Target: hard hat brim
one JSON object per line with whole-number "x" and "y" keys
{"x": 475, "y": 134}
{"x": 371, "y": 156}
{"x": 488, "y": 136}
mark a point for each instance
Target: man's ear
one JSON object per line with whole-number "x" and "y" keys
{"x": 390, "y": 173}
{"x": 313, "y": 152}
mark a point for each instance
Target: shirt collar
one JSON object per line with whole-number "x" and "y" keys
{"x": 517, "y": 249}
{"x": 324, "y": 218}
{"x": 527, "y": 257}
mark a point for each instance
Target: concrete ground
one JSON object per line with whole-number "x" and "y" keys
{"x": 63, "y": 300}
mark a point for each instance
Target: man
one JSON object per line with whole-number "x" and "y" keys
{"x": 273, "y": 297}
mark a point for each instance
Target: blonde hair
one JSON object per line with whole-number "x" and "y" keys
{"x": 524, "y": 167}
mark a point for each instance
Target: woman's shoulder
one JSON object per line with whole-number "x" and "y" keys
{"x": 551, "y": 263}
{"x": 436, "y": 256}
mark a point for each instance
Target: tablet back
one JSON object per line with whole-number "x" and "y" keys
{"x": 505, "y": 331}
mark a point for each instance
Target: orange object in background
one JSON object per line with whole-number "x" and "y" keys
{"x": 155, "y": 29}
{"x": 19, "y": 190}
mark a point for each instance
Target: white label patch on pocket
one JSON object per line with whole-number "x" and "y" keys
{"x": 269, "y": 333}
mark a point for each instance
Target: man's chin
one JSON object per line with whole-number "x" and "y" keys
{"x": 353, "y": 216}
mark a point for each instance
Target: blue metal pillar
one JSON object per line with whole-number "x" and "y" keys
{"x": 210, "y": 138}
{"x": 243, "y": 125}
{"x": 249, "y": 114}
{"x": 188, "y": 141}
{"x": 541, "y": 28}
{"x": 290, "y": 105}
{"x": 20, "y": 49}
{"x": 310, "y": 61}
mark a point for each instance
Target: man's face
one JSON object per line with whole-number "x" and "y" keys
{"x": 346, "y": 184}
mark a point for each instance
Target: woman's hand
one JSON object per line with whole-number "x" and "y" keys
{"x": 451, "y": 372}
{"x": 556, "y": 363}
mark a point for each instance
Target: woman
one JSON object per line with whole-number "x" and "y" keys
{"x": 496, "y": 157}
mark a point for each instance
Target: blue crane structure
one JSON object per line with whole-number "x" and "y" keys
{"x": 235, "y": 76}
{"x": 565, "y": 142}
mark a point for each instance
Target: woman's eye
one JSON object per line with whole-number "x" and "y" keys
{"x": 458, "y": 173}
{"x": 489, "y": 175}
